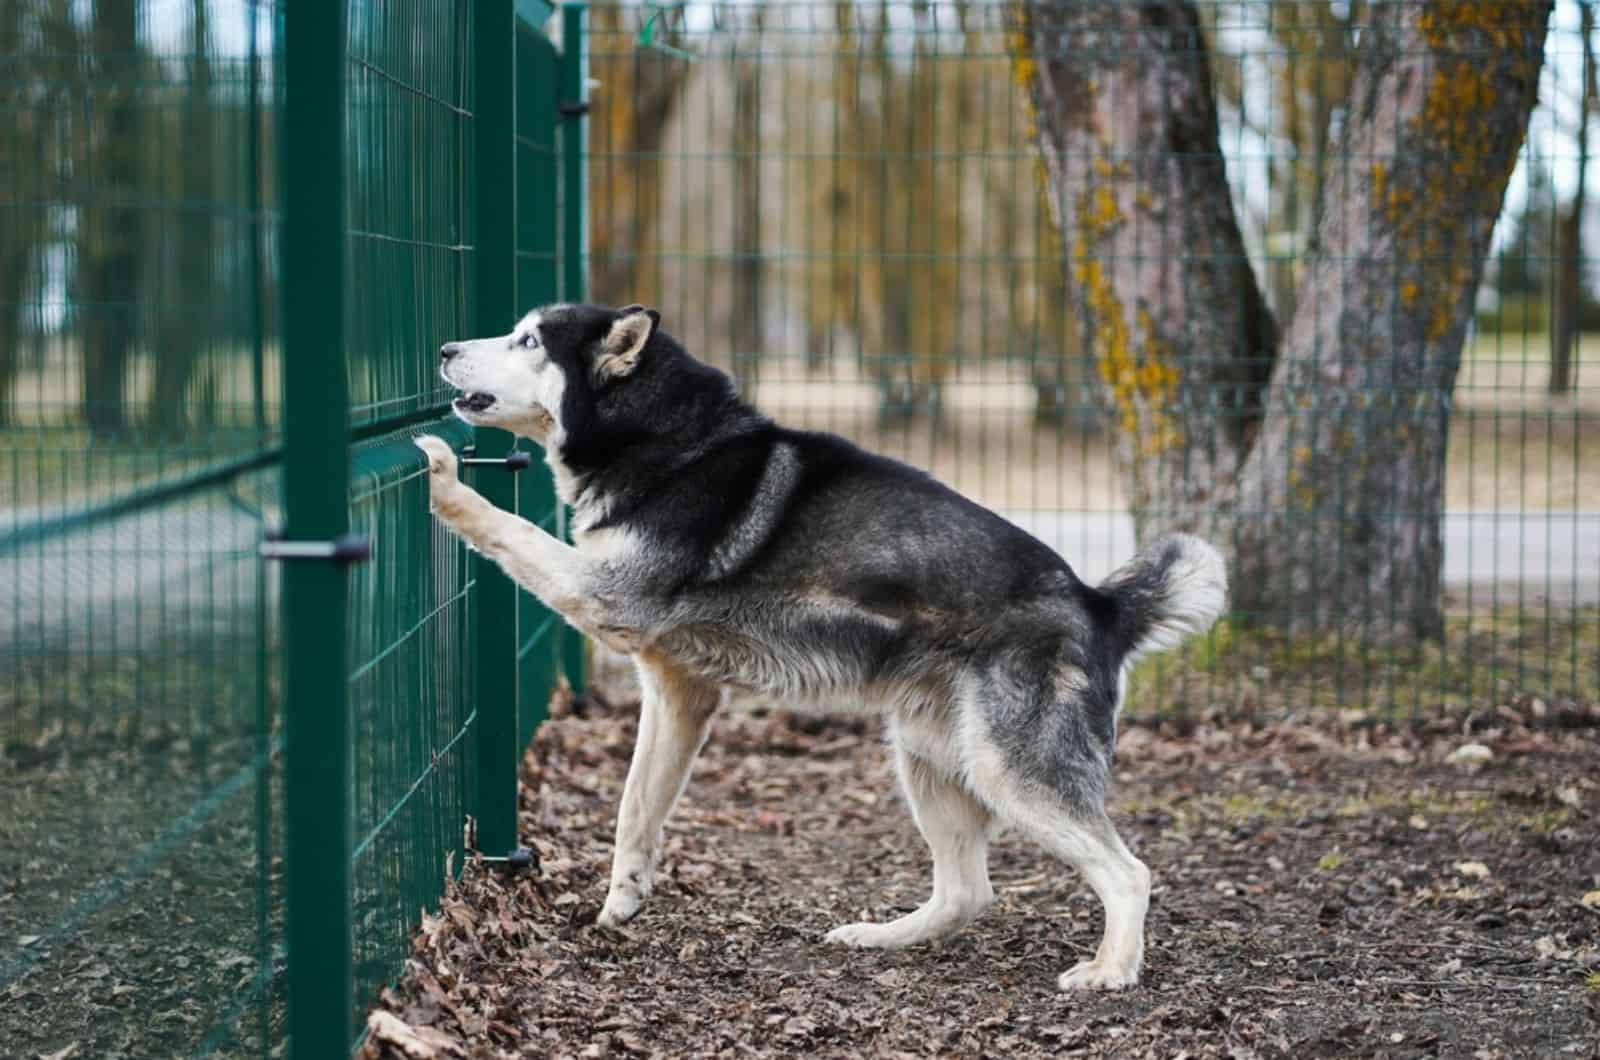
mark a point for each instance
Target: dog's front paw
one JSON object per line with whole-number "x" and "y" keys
{"x": 443, "y": 482}
{"x": 1092, "y": 975}
{"x": 441, "y": 458}
{"x": 621, "y": 907}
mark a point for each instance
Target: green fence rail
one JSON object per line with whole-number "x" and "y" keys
{"x": 233, "y": 235}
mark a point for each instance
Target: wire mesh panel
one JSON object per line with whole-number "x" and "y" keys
{"x": 145, "y": 763}
{"x": 990, "y": 239}
{"x": 138, "y": 903}
{"x": 409, "y": 129}
{"x": 411, "y": 706}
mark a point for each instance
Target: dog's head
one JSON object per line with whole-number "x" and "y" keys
{"x": 554, "y": 367}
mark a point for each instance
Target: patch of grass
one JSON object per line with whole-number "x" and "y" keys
{"x": 1480, "y": 662}
{"x": 1547, "y": 822}
{"x": 1332, "y": 861}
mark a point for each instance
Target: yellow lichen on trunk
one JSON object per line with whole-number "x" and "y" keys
{"x": 1460, "y": 91}
{"x": 1140, "y": 381}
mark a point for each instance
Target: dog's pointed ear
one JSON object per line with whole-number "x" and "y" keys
{"x": 625, "y": 342}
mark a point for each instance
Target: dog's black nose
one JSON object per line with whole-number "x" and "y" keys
{"x": 447, "y": 351}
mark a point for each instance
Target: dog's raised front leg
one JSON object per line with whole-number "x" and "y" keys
{"x": 674, "y": 715}
{"x": 545, "y": 566}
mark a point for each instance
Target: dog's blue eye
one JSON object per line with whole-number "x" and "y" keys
{"x": 531, "y": 340}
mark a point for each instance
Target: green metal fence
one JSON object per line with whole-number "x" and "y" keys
{"x": 233, "y": 235}
{"x": 844, "y": 203}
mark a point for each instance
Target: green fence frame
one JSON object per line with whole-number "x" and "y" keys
{"x": 512, "y": 164}
{"x": 317, "y": 775}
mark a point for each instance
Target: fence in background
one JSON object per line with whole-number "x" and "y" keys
{"x": 233, "y": 235}
{"x": 843, "y": 204}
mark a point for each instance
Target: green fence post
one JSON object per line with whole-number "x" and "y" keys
{"x": 317, "y": 766}
{"x": 539, "y": 630}
{"x": 574, "y": 286}
{"x": 495, "y": 292}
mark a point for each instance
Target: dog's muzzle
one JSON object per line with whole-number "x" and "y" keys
{"x": 477, "y": 401}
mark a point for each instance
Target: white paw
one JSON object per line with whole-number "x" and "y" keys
{"x": 620, "y": 907}
{"x": 870, "y": 936}
{"x": 441, "y": 458}
{"x": 1092, "y": 975}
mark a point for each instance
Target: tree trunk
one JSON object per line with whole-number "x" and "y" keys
{"x": 749, "y": 328}
{"x": 109, "y": 225}
{"x": 1569, "y": 293}
{"x": 19, "y": 226}
{"x": 1318, "y": 460}
{"x": 1180, "y": 334}
{"x": 182, "y": 326}
{"x": 637, "y": 95}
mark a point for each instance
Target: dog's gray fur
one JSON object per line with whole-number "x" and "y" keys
{"x": 720, "y": 549}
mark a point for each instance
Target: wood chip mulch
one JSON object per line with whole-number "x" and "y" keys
{"x": 1322, "y": 890}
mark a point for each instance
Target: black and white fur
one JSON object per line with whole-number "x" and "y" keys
{"x": 720, "y": 549}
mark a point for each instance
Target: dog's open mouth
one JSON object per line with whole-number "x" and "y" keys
{"x": 476, "y": 401}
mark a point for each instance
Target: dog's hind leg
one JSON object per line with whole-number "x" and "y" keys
{"x": 1038, "y": 736}
{"x": 1122, "y": 883}
{"x": 957, "y": 829}
{"x": 674, "y": 717}
{"x": 1087, "y": 840}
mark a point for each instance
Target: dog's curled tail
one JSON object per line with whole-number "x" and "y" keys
{"x": 1173, "y": 589}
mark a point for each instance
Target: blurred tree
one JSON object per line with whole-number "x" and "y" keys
{"x": 20, "y": 226}
{"x": 638, "y": 92}
{"x": 1523, "y": 265}
{"x": 1328, "y": 439}
{"x": 32, "y": 38}
{"x": 1570, "y": 291}
{"x": 181, "y": 325}
{"x": 903, "y": 196}
{"x": 108, "y": 228}
{"x": 749, "y": 268}
{"x": 1308, "y": 71}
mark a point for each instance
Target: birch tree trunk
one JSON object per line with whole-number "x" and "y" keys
{"x": 1317, "y": 458}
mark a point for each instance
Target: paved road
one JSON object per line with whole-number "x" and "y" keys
{"x": 129, "y": 583}
{"x": 1552, "y": 556}
{"x": 166, "y": 574}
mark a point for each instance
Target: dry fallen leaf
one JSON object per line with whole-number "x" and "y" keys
{"x": 419, "y": 1043}
{"x": 1474, "y": 870}
{"x": 65, "y": 1054}
{"x": 1470, "y": 756}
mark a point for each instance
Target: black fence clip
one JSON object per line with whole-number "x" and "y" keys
{"x": 515, "y": 460}
{"x": 349, "y": 548}
{"x": 519, "y": 860}
{"x": 572, "y": 110}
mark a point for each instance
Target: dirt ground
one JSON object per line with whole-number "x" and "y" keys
{"x": 1321, "y": 890}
